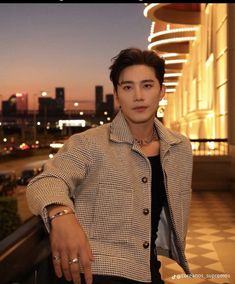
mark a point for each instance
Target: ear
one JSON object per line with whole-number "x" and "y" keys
{"x": 162, "y": 92}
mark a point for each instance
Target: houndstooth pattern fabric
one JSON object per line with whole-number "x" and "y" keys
{"x": 108, "y": 178}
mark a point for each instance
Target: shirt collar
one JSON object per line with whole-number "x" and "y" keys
{"x": 120, "y": 131}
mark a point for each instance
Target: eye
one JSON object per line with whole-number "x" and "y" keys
{"x": 127, "y": 87}
{"x": 148, "y": 86}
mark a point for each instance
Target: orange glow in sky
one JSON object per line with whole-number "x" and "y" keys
{"x": 44, "y": 46}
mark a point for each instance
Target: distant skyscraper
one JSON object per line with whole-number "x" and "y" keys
{"x": 110, "y": 104}
{"x": 98, "y": 99}
{"x": 21, "y": 103}
{"x": 9, "y": 106}
{"x": 47, "y": 106}
{"x": 59, "y": 98}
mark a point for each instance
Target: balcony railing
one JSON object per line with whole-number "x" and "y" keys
{"x": 25, "y": 255}
{"x": 209, "y": 147}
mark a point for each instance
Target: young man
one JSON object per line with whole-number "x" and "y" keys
{"x": 116, "y": 196}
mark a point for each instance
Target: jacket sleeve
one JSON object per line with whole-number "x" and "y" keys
{"x": 60, "y": 178}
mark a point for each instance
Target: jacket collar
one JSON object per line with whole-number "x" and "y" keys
{"x": 120, "y": 132}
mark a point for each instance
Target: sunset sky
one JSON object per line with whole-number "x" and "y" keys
{"x": 43, "y": 46}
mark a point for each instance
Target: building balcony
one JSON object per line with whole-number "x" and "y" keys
{"x": 180, "y": 13}
{"x": 172, "y": 32}
{"x": 172, "y": 39}
{"x": 171, "y": 75}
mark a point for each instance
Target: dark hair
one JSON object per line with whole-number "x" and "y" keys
{"x": 135, "y": 56}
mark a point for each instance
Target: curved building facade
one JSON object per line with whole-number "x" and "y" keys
{"x": 197, "y": 42}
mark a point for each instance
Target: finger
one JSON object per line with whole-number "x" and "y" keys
{"x": 87, "y": 273}
{"x": 65, "y": 266}
{"x": 74, "y": 270}
{"x": 57, "y": 265}
{"x": 86, "y": 263}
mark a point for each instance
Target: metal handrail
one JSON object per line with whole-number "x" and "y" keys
{"x": 210, "y": 147}
{"x": 24, "y": 255}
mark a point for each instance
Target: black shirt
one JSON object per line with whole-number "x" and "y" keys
{"x": 157, "y": 201}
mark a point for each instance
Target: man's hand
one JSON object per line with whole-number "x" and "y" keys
{"x": 69, "y": 243}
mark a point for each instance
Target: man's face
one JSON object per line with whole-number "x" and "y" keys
{"x": 138, "y": 93}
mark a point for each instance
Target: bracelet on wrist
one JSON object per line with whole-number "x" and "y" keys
{"x": 60, "y": 213}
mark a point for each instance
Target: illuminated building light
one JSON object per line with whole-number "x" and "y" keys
{"x": 173, "y": 31}
{"x": 175, "y": 61}
{"x": 210, "y": 115}
{"x": 81, "y": 112}
{"x": 101, "y": 122}
{"x": 19, "y": 94}
{"x": 171, "y": 40}
{"x": 160, "y": 111}
{"x": 108, "y": 118}
{"x": 72, "y": 123}
{"x": 166, "y": 55}
{"x": 211, "y": 145}
{"x": 195, "y": 145}
{"x": 43, "y": 94}
{"x": 171, "y": 84}
{"x": 163, "y": 102}
{"x": 167, "y": 75}
{"x": 56, "y": 145}
{"x": 152, "y": 28}
{"x": 170, "y": 90}
{"x": 147, "y": 8}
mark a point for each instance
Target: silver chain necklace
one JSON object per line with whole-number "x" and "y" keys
{"x": 144, "y": 142}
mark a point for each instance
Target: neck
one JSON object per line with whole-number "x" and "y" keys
{"x": 142, "y": 131}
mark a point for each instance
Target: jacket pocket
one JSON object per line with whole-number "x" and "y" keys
{"x": 113, "y": 214}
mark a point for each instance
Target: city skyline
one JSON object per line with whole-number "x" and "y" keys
{"x": 45, "y": 46}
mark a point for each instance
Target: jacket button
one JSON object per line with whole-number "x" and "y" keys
{"x": 146, "y": 211}
{"x": 144, "y": 180}
{"x": 146, "y": 244}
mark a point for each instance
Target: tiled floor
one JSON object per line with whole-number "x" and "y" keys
{"x": 210, "y": 245}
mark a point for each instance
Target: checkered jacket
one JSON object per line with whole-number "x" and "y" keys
{"x": 104, "y": 177}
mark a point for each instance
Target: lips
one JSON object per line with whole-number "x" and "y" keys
{"x": 140, "y": 108}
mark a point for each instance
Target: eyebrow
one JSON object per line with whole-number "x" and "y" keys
{"x": 132, "y": 82}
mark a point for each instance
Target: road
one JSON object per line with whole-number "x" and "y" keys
{"x": 17, "y": 166}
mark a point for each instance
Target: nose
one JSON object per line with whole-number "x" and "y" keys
{"x": 138, "y": 95}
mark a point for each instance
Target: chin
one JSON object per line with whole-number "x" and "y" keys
{"x": 143, "y": 119}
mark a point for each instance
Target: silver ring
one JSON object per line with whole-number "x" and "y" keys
{"x": 56, "y": 258}
{"x": 74, "y": 260}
